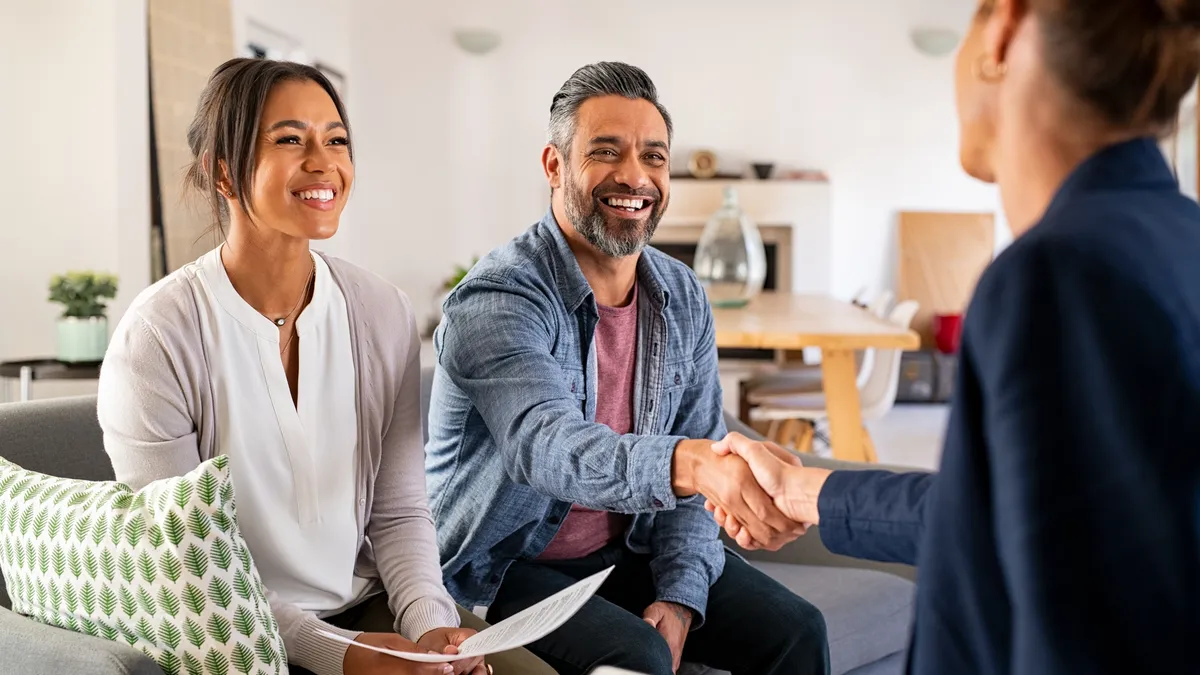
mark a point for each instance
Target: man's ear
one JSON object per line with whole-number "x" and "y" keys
{"x": 554, "y": 165}
{"x": 1002, "y": 27}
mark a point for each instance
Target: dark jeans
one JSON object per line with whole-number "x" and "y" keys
{"x": 754, "y": 626}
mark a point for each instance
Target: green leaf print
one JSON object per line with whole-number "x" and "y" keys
{"x": 41, "y": 594}
{"x": 20, "y": 487}
{"x": 139, "y": 502}
{"x": 219, "y": 629}
{"x": 135, "y": 529}
{"x": 147, "y": 568}
{"x": 168, "y": 601}
{"x": 72, "y": 625}
{"x": 55, "y": 525}
{"x": 7, "y": 482}
{"x": 115, "y": 530}
{"x": 44, "y": 558}
{"x": 70, "y": 597}
{"x": 247, "y": 564}
{"x": 227, "y": 492}
{"x": 169, "y": 634}
{"x": 193, "y": 599}
{"x": 3, "y": 512}
{"x": 196, "y": 560}
{"x": 14, "y": 515}
{"x": 108, "y": 566}
{"x": 199, "y": 524}
{"x": 126, "y": 566}
{"x": 64, "y": 493}
{"x": 222, "y": 521}
{"x": 88, "y": 626}
{"x": 164, "y": 501}
{"x": 100, "y": 529}
{"x": 192, "y": 664}
{"x": 78, "y": 498}
{"x": 243, "y": 621}
{"x": 206, "y": 488}
{"x": 241, "y": 585}
{"x": 90, "y": 564}
{"x": 39, "y": 523}
{"x": 183, "y": 494}
{"x": 31, "y": 495}
{"x": 146, "y": 631}
{"x": 27, "y": 517}
{"x": 126, "y": 633}
{"x": 87, "y": 598}
{"x": 110, "y": 633}
{"x": 12, "y": 555}
{"x": 122, "y": 501}
{"x": 242, "y": 659}
{"x": 170, "y": 566}
{"x": 219, "y": 593}
{"x": 58, "y": 560}
{"x": 146, "y": 601}
{"x": 216, "y": 663}
{"x": 222, "y": 555}
{"x": 108, "y": 601}
{"x": 74, "y": 562}
{"x": 155, "y": 535}
{"x": 169, "y": 663}
{"x": 128, "y": 602}
{"x": 266, "y": 653}
{"x": 194, "y": 633}
{"x": 68, "y": 527}
{"x": 55, "y": 595}
{"x": 173, "y": 528}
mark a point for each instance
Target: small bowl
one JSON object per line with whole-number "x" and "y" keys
{"x": 763, "y": 170}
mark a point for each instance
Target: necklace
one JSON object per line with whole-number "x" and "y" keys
{"x": 304, "y": 294}
{"x": 282, "y": 321}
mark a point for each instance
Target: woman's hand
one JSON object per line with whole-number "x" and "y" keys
{"x": 361, "y": 661}
{"x": 447, "y": 641}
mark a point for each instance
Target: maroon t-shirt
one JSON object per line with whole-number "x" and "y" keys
{"x": 585, "y": 531}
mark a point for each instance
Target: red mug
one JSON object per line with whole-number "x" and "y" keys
{"x": 947, "y": 330}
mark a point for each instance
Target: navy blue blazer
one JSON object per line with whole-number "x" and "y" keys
{"x": 1062, "y": 533}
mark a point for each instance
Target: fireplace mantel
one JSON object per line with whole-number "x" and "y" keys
{"x": 799, "y": 206}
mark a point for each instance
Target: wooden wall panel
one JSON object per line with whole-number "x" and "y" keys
{"x": 941, "y": 258}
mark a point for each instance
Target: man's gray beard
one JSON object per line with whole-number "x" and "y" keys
{"x": 590, "y": 223}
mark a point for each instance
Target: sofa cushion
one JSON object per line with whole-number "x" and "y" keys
{"x": 868, "y": 614}
{"x": 164, "y": 569}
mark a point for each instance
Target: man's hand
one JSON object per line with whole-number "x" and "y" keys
{"x": 359, "y": 661}
{"x": 728, "y": 482}
{"x": 673, "y": 622}
{"x": 447, "y": 641}
{"x": 794, "y": 488}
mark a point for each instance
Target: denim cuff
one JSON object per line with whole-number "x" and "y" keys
{"x": 649, "y": 473}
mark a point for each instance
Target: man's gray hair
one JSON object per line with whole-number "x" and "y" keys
{"x": 607, "y": 78}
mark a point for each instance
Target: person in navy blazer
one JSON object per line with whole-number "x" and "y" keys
{"x": 1062, "y": 532}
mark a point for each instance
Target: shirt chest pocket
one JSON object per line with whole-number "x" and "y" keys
{"x": 678, "y": 377}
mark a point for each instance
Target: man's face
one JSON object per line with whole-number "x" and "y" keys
{"x": 616, "y": 183}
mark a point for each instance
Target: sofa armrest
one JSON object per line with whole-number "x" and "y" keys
{"x": 809, "y": 549}
{"x": 33, "y": 648}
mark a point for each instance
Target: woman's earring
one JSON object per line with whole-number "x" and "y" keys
{"x": 989, "y": 70}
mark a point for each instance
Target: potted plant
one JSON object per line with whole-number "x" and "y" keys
{"x": 448, "y": 284}
{"x": 83, "y": 326}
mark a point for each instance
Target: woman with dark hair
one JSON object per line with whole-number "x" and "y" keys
{"x": 304, "y": 370}
{"x": 1062, "y": 534}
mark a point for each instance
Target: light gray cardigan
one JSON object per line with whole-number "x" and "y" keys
{"x": 156, "y": 410}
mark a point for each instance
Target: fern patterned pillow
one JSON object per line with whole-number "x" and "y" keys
{"x": 164, "y": 569}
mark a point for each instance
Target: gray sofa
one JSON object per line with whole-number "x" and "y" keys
{"x": 867, "y": 607}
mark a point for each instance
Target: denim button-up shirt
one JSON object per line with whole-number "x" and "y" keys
{"x": 513, "y": 440}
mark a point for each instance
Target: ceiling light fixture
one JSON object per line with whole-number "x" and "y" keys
{"x": 935, "y": 42}
{"x": 476, "y": 40}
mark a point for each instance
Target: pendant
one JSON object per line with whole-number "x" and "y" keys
{"x": 280, "y": 321}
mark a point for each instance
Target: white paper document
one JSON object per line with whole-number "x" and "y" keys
{"x": 518, "y": 630}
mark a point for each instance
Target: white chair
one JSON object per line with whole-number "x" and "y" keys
{"x": 877, "y": 393}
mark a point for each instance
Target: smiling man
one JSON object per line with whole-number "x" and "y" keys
{"x": 574, "y": 406}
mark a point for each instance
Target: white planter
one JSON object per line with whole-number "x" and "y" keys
{"x": 82, "y": 340}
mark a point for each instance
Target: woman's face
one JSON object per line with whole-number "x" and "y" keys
{"x": 976, "y": 100}
{"x": 303, "y": 172}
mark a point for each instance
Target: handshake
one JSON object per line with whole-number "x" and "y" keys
{"x": 760, "y": 493}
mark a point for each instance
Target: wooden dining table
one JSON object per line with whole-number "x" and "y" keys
{"x": 794, "y": 321}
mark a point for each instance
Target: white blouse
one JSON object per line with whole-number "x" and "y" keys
{"x": 292, "y": 465}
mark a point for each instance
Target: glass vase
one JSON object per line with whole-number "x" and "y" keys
{"x": 731, "y": 262}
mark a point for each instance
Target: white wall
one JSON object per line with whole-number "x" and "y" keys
{"x": 75, "y": 157}
{"x": 449, "y": 142}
